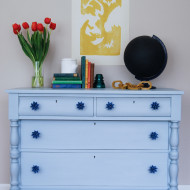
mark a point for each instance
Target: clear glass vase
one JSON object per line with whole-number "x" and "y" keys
{"x": 37, "y": 79}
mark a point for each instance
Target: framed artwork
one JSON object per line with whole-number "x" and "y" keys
{"x": 100, "y": 30}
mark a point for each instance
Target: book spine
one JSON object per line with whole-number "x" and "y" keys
{"x": 66, "y": 85}
{"x": 83, "y": 63}
{"x": 89, "y": 72}
{"x": 66, "y": 78}
{"x": 66, "y": 74}
{"x": 67, "y": 82}
{"x": 92, "y": 75}
{"x": 86, "y": 74}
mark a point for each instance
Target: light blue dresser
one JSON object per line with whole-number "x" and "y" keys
{"x": 93, "y": 139}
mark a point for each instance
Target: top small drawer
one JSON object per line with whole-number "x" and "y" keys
{"x": 134, "y": 107}
{"x": 56, "y": 106}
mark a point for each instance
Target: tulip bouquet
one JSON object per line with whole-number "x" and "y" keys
{"x": 35, "y": 45}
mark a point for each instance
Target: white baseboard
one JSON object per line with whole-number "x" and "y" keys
{"x": 4, "y": 186}
{"x": 7, "y": 186}
{"x": 184, "y": 187}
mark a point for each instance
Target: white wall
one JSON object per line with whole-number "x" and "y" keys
{"x": 15, "y": 68}
{"x": 168, "y": 19}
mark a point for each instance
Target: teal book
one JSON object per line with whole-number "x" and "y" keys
{"x": 83, "y": 64}
{"x": 67, "y": 82}
{"x": 66, "y": 78}
{"x": 66, "y": 75}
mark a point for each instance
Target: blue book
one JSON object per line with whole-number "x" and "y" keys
{"x": 66, "y": 85}
{"x": 83, "y": 64}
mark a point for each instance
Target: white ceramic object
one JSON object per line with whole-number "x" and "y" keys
{"x": 69, "y": 65}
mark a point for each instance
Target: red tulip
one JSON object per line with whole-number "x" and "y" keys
{"x": 19, "y": 27}
{"x": 34, "y": 26}
{"x": 16, "y": 28}
{"x": 52, "y": 26}
{"x": 15, "y": 31}
{"x": 47, "y": 20}
{"x": 25, "y": 25}
{"x": 40, "y": 27}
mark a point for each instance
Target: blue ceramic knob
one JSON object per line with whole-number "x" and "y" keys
{"x": 153, "y": 169}
{"x": 35, "y": 169}
{"x": 34, "y": 106}
{"x": 80, "y": 105}
{"x": 155, "y": 105}
{"x": 154, "y": 135}
{"x": 35, "y": 134}
{"x": 109, "y": 106}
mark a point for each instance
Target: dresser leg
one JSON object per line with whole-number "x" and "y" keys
{"x": 174, "y": 155}
{"x": 14, "y": 154}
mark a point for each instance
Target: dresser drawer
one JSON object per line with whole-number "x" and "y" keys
{"x": 58, "y": 106}
{"x": 133, "y": 107}
{"x": 94, "y": 135}
{"x": 96, "y": 169}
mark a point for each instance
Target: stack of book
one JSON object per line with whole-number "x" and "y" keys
{"x": 66, "y": 80}
{"x": 87, "y": 73}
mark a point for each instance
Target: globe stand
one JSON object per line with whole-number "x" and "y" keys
{"x": 146, "y": 85}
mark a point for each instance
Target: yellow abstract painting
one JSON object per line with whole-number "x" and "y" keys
{"x": 100, "y": 33}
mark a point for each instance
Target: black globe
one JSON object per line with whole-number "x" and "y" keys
{"x": 145, "y": 57}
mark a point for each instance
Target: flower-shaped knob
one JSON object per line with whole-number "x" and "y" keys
{"x": 80, "y": 105}
{"x": 35, "y": 169}
{"x": 34, "y": 106}
{"x": 109, "y": 106}
{"x": 35, "y": 134}
{"x": 154, "y": 135}
{"x": 153, "y": 169}
{"x": 155, "y": 105}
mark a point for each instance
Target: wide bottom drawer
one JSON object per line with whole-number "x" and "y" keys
{"x": 94, "y": 169}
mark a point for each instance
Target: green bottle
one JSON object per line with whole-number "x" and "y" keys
{"x": 99, "y": 81}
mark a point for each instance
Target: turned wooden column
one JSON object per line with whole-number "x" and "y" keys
{"x": 174, "y": 155}
{"x": 14, "y": 154}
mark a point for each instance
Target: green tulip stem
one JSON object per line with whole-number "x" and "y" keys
{"x": 28, "y": 34}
